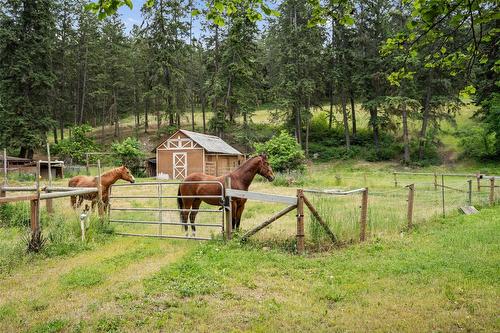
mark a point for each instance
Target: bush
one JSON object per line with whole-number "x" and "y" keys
{"x": 476, "y": 142}
{"x": 323, "y": 153}
{"x": 15, "y": 215}
{"x": 284, "y": 153}
{"x": 129, "y": 153}
{"x": 76, "y": 146}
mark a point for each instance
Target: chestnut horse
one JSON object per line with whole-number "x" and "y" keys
{"x": 107, "y": 179}
{"x": 241, "y": 178}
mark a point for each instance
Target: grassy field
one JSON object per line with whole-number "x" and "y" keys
{"x": 442, "y": 277}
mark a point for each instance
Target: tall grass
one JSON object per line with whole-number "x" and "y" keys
{"x": 61, "y": 232}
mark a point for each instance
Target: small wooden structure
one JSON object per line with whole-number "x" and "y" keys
{"x": 186, "y": 152}
{"x": 26, "y": 165}
{"x": 56, "y": 168}
{"x": 150, "y": 167}
{"x": 15, "y": 162}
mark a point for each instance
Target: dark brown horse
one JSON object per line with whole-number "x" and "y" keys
{"x": 107, "y": 179}
{"x": 241, "y": 179}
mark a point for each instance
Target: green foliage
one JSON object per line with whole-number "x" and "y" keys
{"x": 284, "y": 153}
{"x": 14, "y": 215}
{"x": 77, "y": 145}
{"x": 26, "y": 75}
{"x": 129, "y": 153}
{"x": 477, "y": 142}
{"x": 327, "y": 144}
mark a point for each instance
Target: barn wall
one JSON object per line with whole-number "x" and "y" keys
{"x": 165, "y": 161}
{"x": 225, "y": 164}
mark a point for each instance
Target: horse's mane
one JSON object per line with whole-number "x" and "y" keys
{"x": 113, "y": 171}
{"x": 247, "y": 161}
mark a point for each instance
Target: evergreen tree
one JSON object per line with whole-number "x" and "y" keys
{"x": 27, "y": 31}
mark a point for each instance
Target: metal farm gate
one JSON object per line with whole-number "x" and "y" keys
{"x": 150, "y": 209}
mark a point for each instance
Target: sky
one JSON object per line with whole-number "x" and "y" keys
{"x": 133, "y": 16}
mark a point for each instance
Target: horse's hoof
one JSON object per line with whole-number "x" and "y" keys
{"x": 193, "y": 234}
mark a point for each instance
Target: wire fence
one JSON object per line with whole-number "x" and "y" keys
{"x": 388, "y": 209}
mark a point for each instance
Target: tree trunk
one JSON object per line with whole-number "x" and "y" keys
{"x": 146, "y": 111}
{"x": 406, "y": 140}
{"x": 297, "y": 125}
{"x": 330, "y": 120}
{"x": 103, "y": 122}
{"x": 84, "y": 85}
{"x": 22, "y": 152}
{"x": 425, "y": 121}
{"x": 54, "y": 132}
{"x": 308, "y": 124}
{"x": 346, "y": 121}
{"x": 203, "y": 114}
{"x": 353, "y": 113}
{"x": 374, "y": 123}
{"x": 61, "y": 126}
{"x": 192, "y": 112}
{"x": 158, "y": 116}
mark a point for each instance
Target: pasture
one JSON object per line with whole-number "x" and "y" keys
{"x": 447, "y": 267}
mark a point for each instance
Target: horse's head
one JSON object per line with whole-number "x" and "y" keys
{"x": 126, "y": 175}
{"x": 265, "y": 169}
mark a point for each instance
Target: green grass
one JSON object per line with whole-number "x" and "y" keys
{"x": 443, "y": 276}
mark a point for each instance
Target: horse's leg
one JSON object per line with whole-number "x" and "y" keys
{"x": 239, "y": 212}
{"x": 73, "y": 201}
{"x": 192, "y": 215}
{"x": 80, "y": 201}
{"x": 234, "y": 209}
{"x": 186, "y": 205}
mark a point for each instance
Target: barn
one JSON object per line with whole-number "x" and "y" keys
{"x": 186, "y": 152}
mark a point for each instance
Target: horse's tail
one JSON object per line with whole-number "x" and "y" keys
{"x": 179, "y": 201}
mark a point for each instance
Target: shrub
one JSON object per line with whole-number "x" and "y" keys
{"x": 476, "y": 142}
{"x": 76, "y": 146}
{"x": 14, "y": 215}
{"x": 129, "y": 153}
{"x": 284, "y": 153}
{"x": 324, "y": 153}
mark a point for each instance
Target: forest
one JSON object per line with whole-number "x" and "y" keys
{"x": 65, "y": 63}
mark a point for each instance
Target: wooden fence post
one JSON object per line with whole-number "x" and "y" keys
{"x": 35, "y": 206}
{"x": 100, "y": 206}
{"x": 469, "y": 195}
{"x": 364, "y": 213}
{"x": 492, "y": 190}
{"x": 228, "y": 210}
{"x": 411, "y": 197}
{"x": 87, "y": 164}
{"x": 4, "y": 171}
{"x": 300, "y": 221}
{"x": 478, "y": 178}
{"x": 442, "y": 196}
{"x": 48, "y": 202}
{"x": 435, "y": 181}
{"x": 34, "y": 216}
{"x": 395, "y": 179}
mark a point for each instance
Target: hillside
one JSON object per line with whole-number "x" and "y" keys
{"x": 263, "y": 125}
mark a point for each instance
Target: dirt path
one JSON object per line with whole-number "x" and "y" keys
{"x": 64, "y": 287}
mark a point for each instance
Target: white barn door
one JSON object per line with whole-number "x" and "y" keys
{"x": 180, "y": 165}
